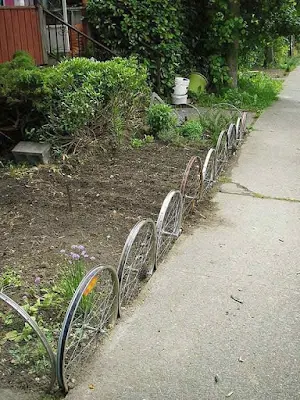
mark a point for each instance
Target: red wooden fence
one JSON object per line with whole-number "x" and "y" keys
{"x": 20, "y": 30}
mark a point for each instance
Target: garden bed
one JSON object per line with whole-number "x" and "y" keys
{"x": 45, "y": 210}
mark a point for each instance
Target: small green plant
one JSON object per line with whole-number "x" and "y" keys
{"x": 171, "y": 136}
{"x": 161, "y": 119}
{"x": 18, "y": 171}
{"x": 10, "y": 278}
{"x": 148, "y": 139}
{"x": 214, "y": 122}
{"x": 192, "y": 129}
{"x": 137, "y": 143}
{"x": 46, "y": 305}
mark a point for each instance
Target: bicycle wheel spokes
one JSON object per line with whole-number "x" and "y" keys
{"x": 239, "y": 135}
{"x": 90, "y": 315}
{"x": 168, "y": 223}
{"x": 191, "y": 184}
{"x": 221, "y": 152}
{"x": 26, "y": 357}
{"x": 243, "y": 123}
{"x": 137, "y": 261}
{"x": 231, "y": 135}
{"x": 209, "y": 171}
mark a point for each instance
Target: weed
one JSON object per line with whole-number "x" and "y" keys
{"x": 161, "y": 119}
{"x": 290, "y": 63}
{"x": 224, "y": 179}
{"x": 19, "y": 171}
{"x": 10, "y": 278}
{"x": 192, "y": 129}
{"x": 214, "y": 122}
{"x": 137, "y": 143}
{"x": 148, "y": 139}
{"x": 46, "y": 305}
{"x": 256, "y": 92}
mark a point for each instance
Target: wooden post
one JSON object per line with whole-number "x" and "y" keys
{"x": 43, "y": 31}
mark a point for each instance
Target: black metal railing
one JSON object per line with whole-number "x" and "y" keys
{"x": 64, "y": 40}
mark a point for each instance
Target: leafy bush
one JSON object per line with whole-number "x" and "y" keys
{"x": 161, "y": 119}
{"x": 55, "y": 104}
{"x": 256, "y": 92}
{"x": 148, "y": 28}
{"x": 214, "y": 121}
{"x": 192, "y": 129}
{"x": 290, "y": 63}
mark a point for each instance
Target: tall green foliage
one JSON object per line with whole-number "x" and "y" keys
{"x": 148, "y": 28}
{"x": 215, "y": 31}
{"x": 56, "y": 103}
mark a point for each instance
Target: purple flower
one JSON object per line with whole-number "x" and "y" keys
{"x": 74, "y": 256}
{"x": 62, "y": 251}
{"x": 78, "y": 247}
{"x": 37, "y": 280}
{"x": 83, "y": 252}
{"x": 92, "y": 258}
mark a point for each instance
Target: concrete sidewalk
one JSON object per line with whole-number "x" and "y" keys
{"x": 187, "y": 331}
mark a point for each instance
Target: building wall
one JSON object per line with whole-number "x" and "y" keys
{"x": 20, "y": 30}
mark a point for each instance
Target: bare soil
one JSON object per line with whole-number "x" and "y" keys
{"x": 95, "y": 204}
{"x": 49, "y": 208}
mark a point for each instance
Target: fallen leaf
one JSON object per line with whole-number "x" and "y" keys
{"x": 92, "y": 387}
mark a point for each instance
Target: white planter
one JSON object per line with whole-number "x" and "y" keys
{"x": 182, "y": 81}
{"x": 177, "y": 100}
{"x": 180, "y": 90}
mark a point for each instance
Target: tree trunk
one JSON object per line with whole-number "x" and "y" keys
{"x": 233, "y": 48}
{"x": 269, "y": 55}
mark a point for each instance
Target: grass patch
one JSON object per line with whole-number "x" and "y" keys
{"x": 256, "y": 91}
{"x": 290, "y": 64}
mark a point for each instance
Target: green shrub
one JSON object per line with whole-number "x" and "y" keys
{"x": 149, "y": 28}
{"x": 192, "y": 129}
{"x": 215, "y": 121}
{"x": 255, "y": 92}
{"x": 55, "y": 104}
{"x": 290, "y": 63}
{"x": 161, "y": 118}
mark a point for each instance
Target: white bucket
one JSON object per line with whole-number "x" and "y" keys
{"x": 179, "y": 99}
{"x": 182, "y": 81}
{"x": 180, "y": 90}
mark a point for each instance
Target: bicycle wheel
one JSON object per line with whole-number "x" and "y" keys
{"x": 221, "y": 152}
{"x": 209, "y": 171}
{"x": 239, "y": 134}
{"x": 244, "y": 123}
{"x": 26, "y": 357}
{"x": 91, "y": 314}
{"x": 168, "y": 223}
{"x": 231, "y": 134}
{"x": 137, "y": 261}
{"x": 191, "y": 184}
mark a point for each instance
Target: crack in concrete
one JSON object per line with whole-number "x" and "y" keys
{"x": 251, "y": 193}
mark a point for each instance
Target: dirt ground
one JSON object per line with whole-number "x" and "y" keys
{"x": 46, "y": 209}
{"x": 95, "y": 204}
